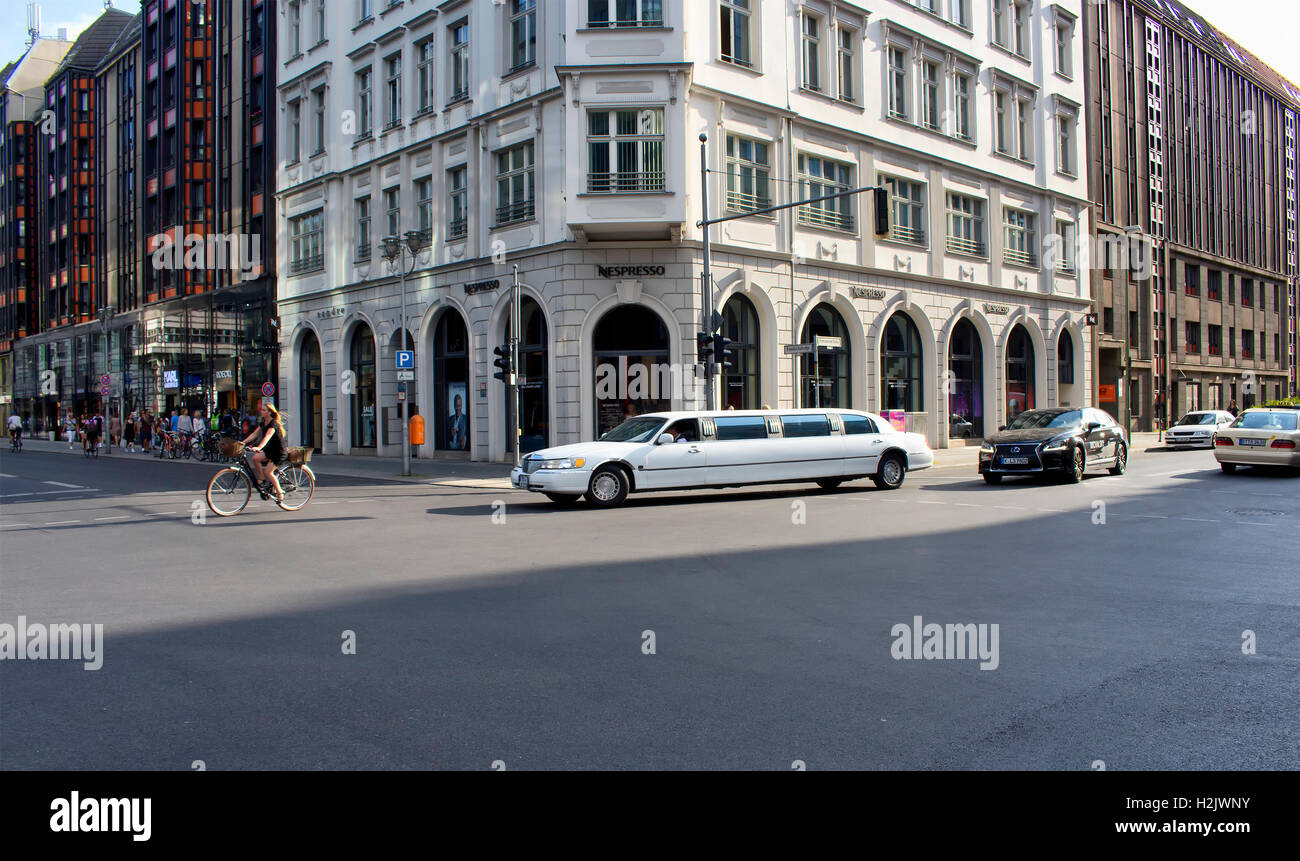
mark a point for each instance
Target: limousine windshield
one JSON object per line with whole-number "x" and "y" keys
{"x": 639, "y": 429}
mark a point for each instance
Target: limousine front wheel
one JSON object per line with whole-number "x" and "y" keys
{"x": 890, "y": 474}
{"x": 608, "y": 488}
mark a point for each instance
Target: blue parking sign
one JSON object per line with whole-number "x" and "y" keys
{"x": 405, "y": 360}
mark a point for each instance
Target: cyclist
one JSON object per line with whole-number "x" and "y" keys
{"x": 268, "y": 452}
{"x": 90, "y": 428}
{"x": 15, "y": 431}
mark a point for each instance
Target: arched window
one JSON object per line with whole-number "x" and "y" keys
{"x": 1065, "y": 359}
{"x": 1020, "y": 372}
{"x": 824, "y": 375}
{"x": 966, "y": 397}
{"x": 740, "y": 386}
{"x": 902, "y": 361}
{"x": 533, "y": 403}
{"x": 630, "y": 350}
{"x": 363, "y": 393}
{"x": 451, "y": 383}
{"x": 309, "y": 391}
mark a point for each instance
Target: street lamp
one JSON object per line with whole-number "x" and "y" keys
{"x": 415, "y": 241}
{"x": 106, "y": 315}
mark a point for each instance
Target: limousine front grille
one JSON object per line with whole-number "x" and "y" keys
{"x": 1027, "y": 450}
{"x": 531, "y": 464}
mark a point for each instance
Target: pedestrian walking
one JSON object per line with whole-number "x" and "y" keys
{"x": 146, "y": 432}
{"x": 1232, "y": 406}
{"x": 128, "y": 433}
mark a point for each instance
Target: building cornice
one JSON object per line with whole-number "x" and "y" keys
{"x": 297, "y": 80}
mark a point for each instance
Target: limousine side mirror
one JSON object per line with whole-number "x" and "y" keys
{"x": 665, "y": 439}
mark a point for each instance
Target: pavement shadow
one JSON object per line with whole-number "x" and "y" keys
{"x": 652, "y": 499}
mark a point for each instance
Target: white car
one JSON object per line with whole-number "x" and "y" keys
{"x": 1260, "y": 437}
{"x": 1197, "y": 428}
{"x": 682, "y": 450}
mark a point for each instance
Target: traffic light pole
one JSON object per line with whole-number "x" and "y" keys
{"x": 514, "y": 358}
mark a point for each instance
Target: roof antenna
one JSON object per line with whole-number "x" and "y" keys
{"x": 33, "y": 23}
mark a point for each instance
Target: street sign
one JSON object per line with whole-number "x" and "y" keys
{"x": 406, "y": 375}
{"x": 797, "y": 349}
{"x": 268, "y": 389}
{"x": 105, "y": 380}
{"x": 828, "y": 342}
{"x": 405, "y": 360}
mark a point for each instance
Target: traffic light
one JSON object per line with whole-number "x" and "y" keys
{"x": 880, "y": 202}
{"x": 704, "y": 347}
{"x": 723, "y": 353}
{"x": 502, "y": 362}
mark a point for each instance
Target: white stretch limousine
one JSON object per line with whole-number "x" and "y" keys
{"x": 680, "y": 450}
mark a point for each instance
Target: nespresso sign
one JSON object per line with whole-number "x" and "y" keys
{"x": 482, "y": 286}
{"x": 630, "y": 271}
{"x": 868, "y": 293}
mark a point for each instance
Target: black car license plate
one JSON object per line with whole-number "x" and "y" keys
{"x": 1015, "y": 461}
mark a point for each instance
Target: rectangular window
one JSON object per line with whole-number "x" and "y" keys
{"x": 1247, "y": 344}
{"x": 1262, "y": 355}
{"x": 907, "y": 209}
{"x": 363, "y": 228}
{"x": 458, "y": 223}
{"x": 393, "y": 91}
{"x": 1020, "y": 242}
{"x": 295, "y": 131}
{"x": 424, "y": 205}
{"x": 1247, "y": 292}
{"x": 740, "y": 427}
{"x": 966, "y": 225}
{"x": 961, "y": 13}
{"x": 523, "y": 33}
{"x": 1024, "y": 120}
{"x": 515, "y": 184}
{"x": 930, "y": 95}
{"x": 318, "y": 105}
{"x": 320, "y": 21}
{"x": 1065, "y": 262}
{"x": 1213, "y": 285}
{"x": 819, "y": 177}
{"x": 1214, "y": 340}
{"x": 735, "y": 31}
{"x": 812, "y": 47}
{"x": 365, "y": 10}
{"x": 625, "y": 151}
{"x": 364, "y": 100}
{"x": 962, "y": 95}
{"x": 1001, "y": 137}
{"x": 424, "y": 64}
{"x": 307, "y": 248}
{"x": 1000, "y": 22}
{"x": 846, "y": 38}
{"x": 748, "y": 174}
{"x": 1065, "y": 144}
{"x": 625, "y": 13}
{"x": 1191, "y": 337}
{"x": 1064, "y": 54}
{"x": 805, "y": 425}
{"x": 393, "y": 211}
{"x": 295, "y": 29}
{"x": 460, "y": 60}
{"x": 897, "y": 82}
{"x": 1108, "y": 320}
{"x": 1192, "y": 281}
{"x": 1020, "y": 26}
{"x": 1134, "y": 332}
{"x": 1232, "y": 342}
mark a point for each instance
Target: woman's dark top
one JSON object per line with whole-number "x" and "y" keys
{"x": 274, "y": 449}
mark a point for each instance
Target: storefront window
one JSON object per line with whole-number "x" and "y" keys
{"x": 902, "y": 386}
{"x": 966, "y": 397}
{"x": 740, "y": 387}
{"x": 631, "y": 352}
{"x": 363, "y": 395}
{"x": 1020, "y": 373}
{"x": 451, "y": 383}
{"x": 533, "y": 407}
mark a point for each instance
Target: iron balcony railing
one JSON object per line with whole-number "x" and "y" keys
{"x": 739, "y": 201}
{"x": 1020, "y": 258}
{"x": 512, "y": 212}
{"x": 625, "y": 181}
{"x": 363, "y": 251}
{"x": 903, "y": 233}
{"x": 307, "y": 264}
{"x": 816, "y": 217}
{"x": 960, "y": 245}
{"x": 458, "y": 229}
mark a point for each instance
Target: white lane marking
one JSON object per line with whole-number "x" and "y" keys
{"x": 116, "y": 516}
{"x": 11, "y": 525}
{"x": 1244, "y": 523}
{"x": 929, "y": 502}
{"x": 1199, "y": 520}
{"x": 45, "y": 492}
{"x": 967, "y": 505}
{"x": 7, "y": 475}
{"x": 1232, "y": 492}
{"x": 61, "y": 522}
{"x": 161, "y": 513}
{"x": 1010, "y": 507}
{"x": 15, "y": 495}
{"x": 63, "y": 484}
{"x": 1154, "y": 516}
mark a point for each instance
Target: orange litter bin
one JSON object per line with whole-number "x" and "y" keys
{"x": 417, "y": 430}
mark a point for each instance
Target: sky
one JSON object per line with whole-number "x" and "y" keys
{"x": 1266, "y": 27}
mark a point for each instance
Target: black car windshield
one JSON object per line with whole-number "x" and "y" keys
{"x": 1033, "y": 419}
{"x": 1199, "y": 419}
{"x": 639, "y": 429}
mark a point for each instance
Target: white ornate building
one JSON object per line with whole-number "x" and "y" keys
{"x": 559, "y": 138}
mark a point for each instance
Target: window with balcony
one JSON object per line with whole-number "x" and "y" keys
{"x": 735, "y": 23}
{"x": 966, "y": 225}
{"x": 393, "y": 91}
{"x": 819, "y": 177}
{"x": 847, "y": 42}
{"x": 307, "y": 247}
{"x": 748, "y": 174}
{"x": 523, "y": 33}
{"x": 907, "y": 209}
{"x": 1020, "y": 239}
{"x": 364, "y": 242}
{"x": 515, "y": 184}
{"x": 625, "y": 13}
{"x": 458, "y": 223}
{"x": 424, "y": 66}
{"x": 460, "y": 60}
{"x": 625, "y": 151}
{"x": 812, "y": 52}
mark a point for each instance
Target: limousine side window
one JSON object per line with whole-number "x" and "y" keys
{"x": 687, "y": 429}
{"x": 858, "y": 424}
{"x": 740, "y": 427}
{"x": 805, "y": 425}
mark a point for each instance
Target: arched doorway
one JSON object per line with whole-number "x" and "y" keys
{"x": 535, "y": 423}
{"x": 741, "y": 385}
{"x": 902, "y": 364}
{"x": 309, "y": 392}
{"x": 451, "y": 383}
{"x": 966, "y": 395}
{"x": 824, "y": 375}
{"x": 363, "y": 392}
{"x": 1020, "y": 372}
{"x": 630, "y": 347}
{"x": 1065, "y": 370}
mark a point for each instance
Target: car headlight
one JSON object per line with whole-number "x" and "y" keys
{"x": 1057, "y": 445}
{"x": 986, "y": 449}
{"x": 563, "y": 463}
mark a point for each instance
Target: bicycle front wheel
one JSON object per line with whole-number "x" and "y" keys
{"x": 298, "y": 483}
{"x": 228, "y": 492}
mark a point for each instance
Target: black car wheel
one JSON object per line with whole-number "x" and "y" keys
{"x": 608, "y": 488}
{"x": 889, "y": 476}
{"x": 829, "y": 483}
{"x": 1228, "y": 467}
{"x": 1121, "y": 459}
{"x": 563, "y": 499}
{"x": 1077, "y": 466}
{"x": 992, "y": 478}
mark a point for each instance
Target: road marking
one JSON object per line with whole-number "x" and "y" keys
{"x": 1199, "y": 520}
{"x": 161, "y": 513}
{"x": 11, "y": 525}
{"x": 1010, "y": 507}
{"x": 63, "y": 484}
{"x": 1233, "y": 492}
{"x": 1244, "y": 523}
{"x": 929, "y": 502}
{"x": 14, "y": 495}
{"x": 967, "y": 505}
{"x": 1057, "y": 510}
{"x": 45, "y": 492}
{"x": 115, "y": 517}
{"x": 61, "y": 522}
{"x": 7, "y": 475}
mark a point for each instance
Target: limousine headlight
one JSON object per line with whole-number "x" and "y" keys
{"x": 563, "y": 463}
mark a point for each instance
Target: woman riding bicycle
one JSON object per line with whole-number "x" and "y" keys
{"x": 268, "y": 452}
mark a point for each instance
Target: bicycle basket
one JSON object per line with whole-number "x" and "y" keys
{"x": 299, "y": 455}
{"x": 232, "y": 448}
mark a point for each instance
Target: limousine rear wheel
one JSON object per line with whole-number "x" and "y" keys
{"x": 829, "y": 483}
{"x": 889, "y": 476}
{"x": 608, "y": 488}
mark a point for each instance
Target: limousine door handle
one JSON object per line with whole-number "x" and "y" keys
{"x": 693, "y": 450}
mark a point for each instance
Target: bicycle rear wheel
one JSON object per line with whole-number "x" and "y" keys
{"x": 298, "y": 483}
{"x": 228, "y": 492}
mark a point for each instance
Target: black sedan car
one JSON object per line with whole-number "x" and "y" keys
{"x": 1063, "y": 441}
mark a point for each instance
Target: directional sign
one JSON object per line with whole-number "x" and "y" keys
{"x": 796, "y": 349}
{"x": 406, "y": 375}
{"x": 828, "y": 342}
{"x": 405, "y": 360}
{"x": 268, "y": 389}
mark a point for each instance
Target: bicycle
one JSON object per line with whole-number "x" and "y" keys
{"x": 15, "y": 442}
{"x": 90, "y": 447}
{"x": 230, "y": 490}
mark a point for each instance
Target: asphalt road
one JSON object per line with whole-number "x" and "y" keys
{"x": 491, "y": 627}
